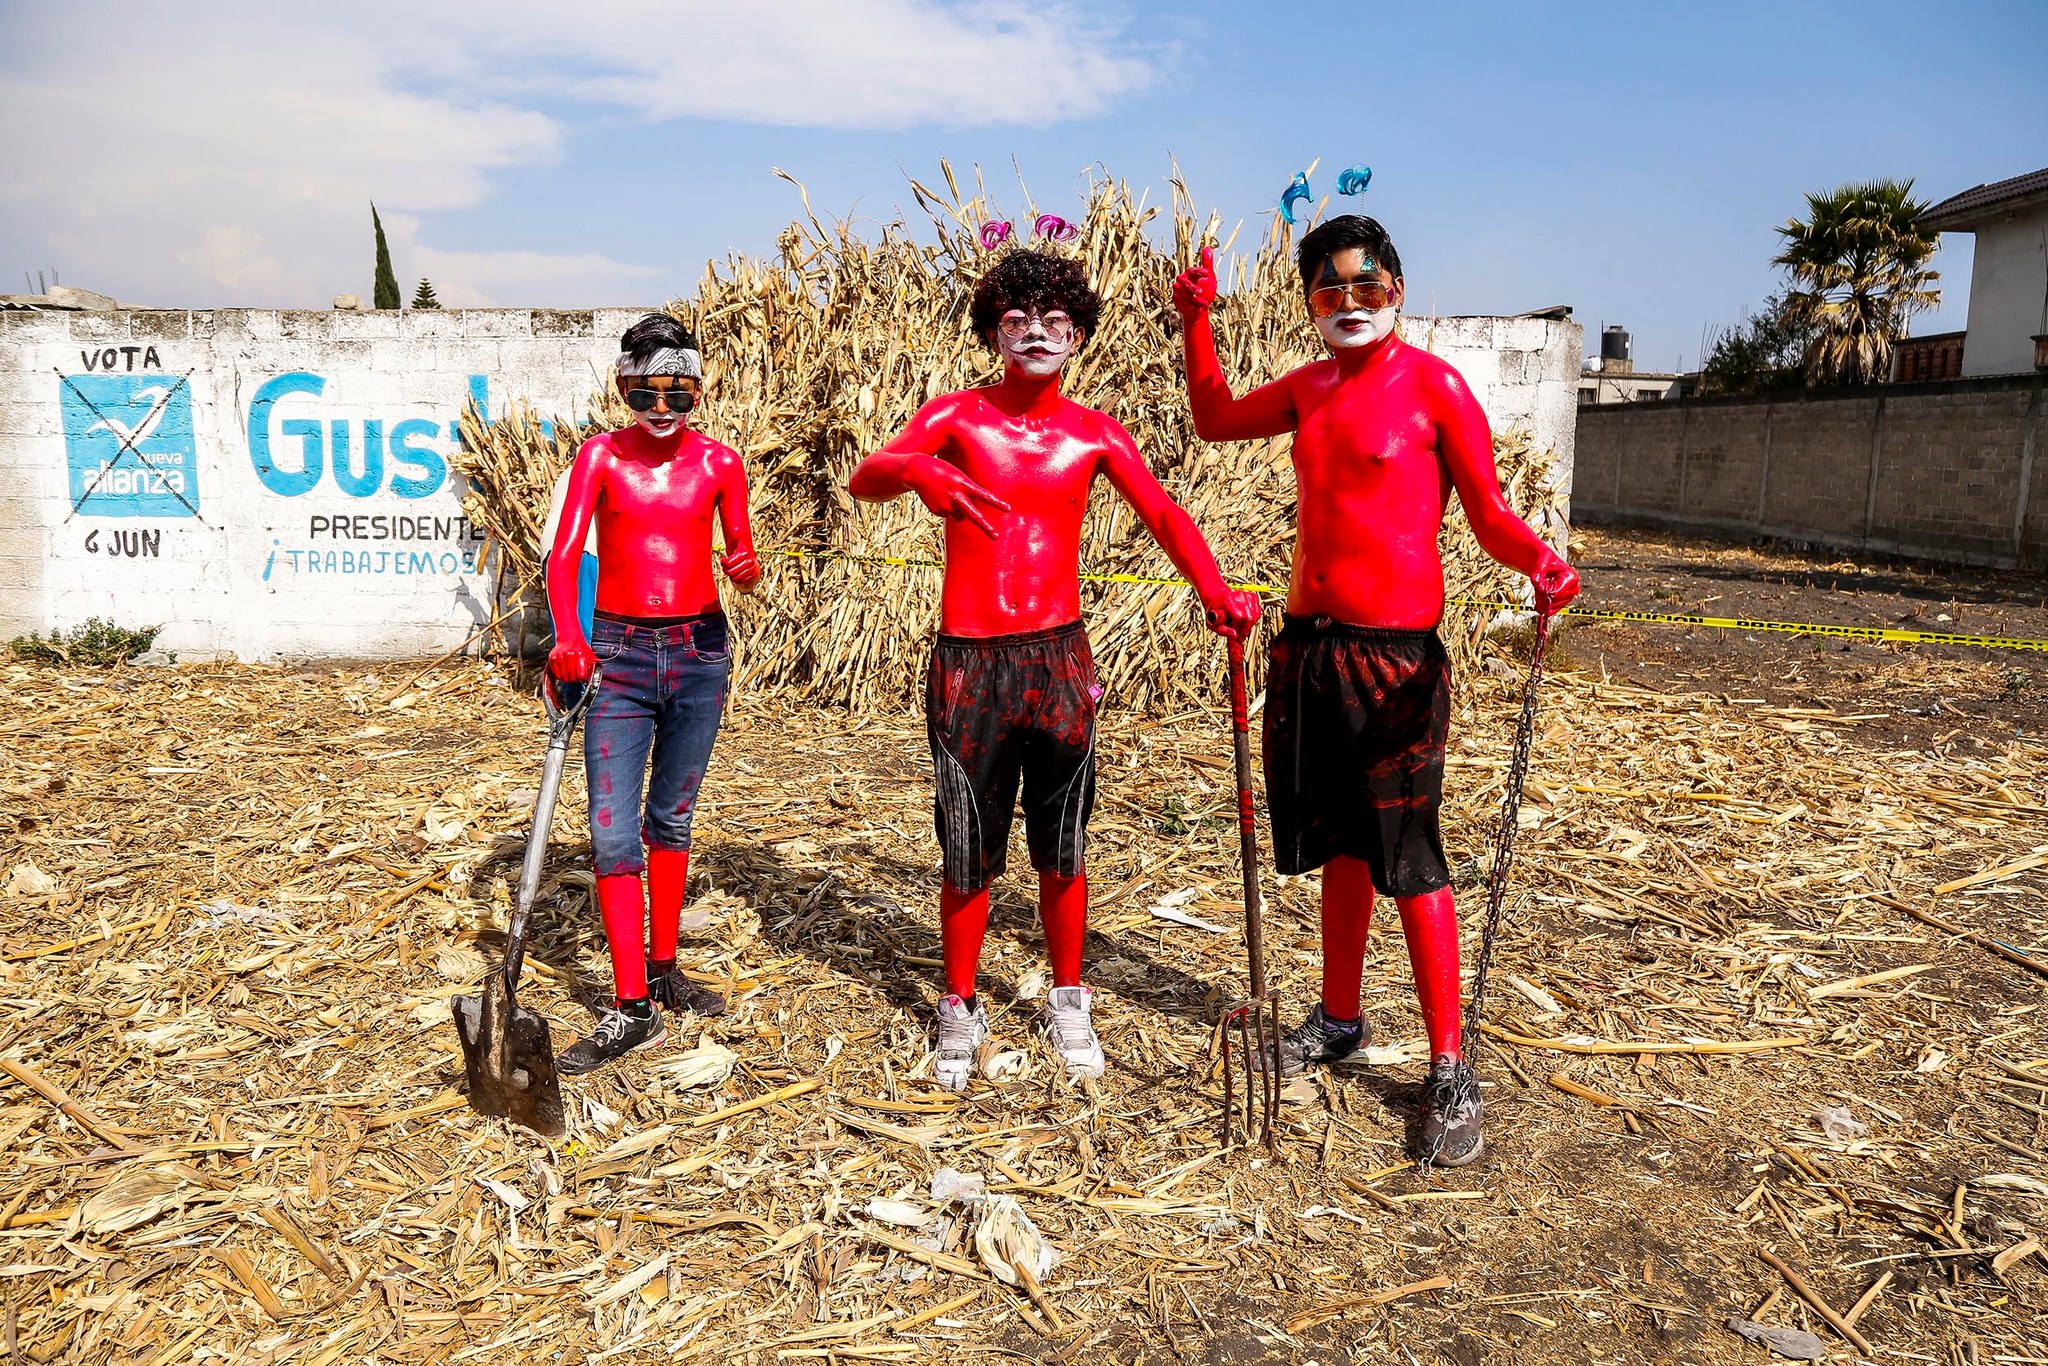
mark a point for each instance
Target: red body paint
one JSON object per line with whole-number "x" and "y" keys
{"x": 1010, "y": 466}
{"x": 623, "y": 907}
{"x": 1019, "y": 459}
{"x": 653, "y": 501}
{"x": 1384, "y": 434}
{"x": 668, "y": 871}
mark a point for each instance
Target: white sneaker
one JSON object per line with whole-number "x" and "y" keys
{"x": 961, "y": 1035}
{"x": 1070, "y": 1030}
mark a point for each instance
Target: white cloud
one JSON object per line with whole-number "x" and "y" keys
{"x": 817, "y": 63}
{"x": 224, "y": 153}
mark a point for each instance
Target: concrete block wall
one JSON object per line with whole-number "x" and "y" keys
{"x": 1525, "y": 374}
{"x": 1947, "y": 471}
{"x": 262, "y": 483}
{"x": 269, "y": 484}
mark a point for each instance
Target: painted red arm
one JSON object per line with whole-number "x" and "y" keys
{"x": 914, "y": 463}
{"x": 1219, "y": 416}
{"x": 739, "y": 562}
{"x": 1231, "y": 613}
{"x": 1466, "y": 444}
{"x": 571, "y": 660}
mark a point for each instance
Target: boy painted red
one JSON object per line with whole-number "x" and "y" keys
{"x": 1358, "y": 692}
{"x": 1012, "y": 691}
{"x": 652, "y": 490}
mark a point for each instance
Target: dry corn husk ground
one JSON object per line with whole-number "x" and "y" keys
{"x": 235, "y": 901}
{"x": 814, "y": 359}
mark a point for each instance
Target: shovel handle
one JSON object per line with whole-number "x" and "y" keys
{"x": 561, "y": 726}
{"x": 1247, "y": 823}
{"x": 563, "y": 719}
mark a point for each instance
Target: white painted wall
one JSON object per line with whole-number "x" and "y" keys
{"x": 2008, "y": 294}
{"x": 246, "y": 521}
{"x": 291, "y": 495}
{"x": 1525, "y": 373}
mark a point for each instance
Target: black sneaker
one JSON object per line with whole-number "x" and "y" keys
{"x": 620, "y": 1029}
{"x": 1451, "y": 1107}
{"x": 668, "y": 987}
{"x": 1314, "y": 1041}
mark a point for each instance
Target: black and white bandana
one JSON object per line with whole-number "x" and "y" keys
{"x": 669, "y": 360}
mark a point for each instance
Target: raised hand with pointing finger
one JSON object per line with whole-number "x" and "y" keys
{"x": 1194, "y": 289}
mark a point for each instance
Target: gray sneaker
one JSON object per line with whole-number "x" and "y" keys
{"x": 1070, "y": 1028}
{"x": 618, "y": 1032}
{"x": 667, "y": 986}
{"x": 1315, "y": 1042}
{"x": 962, "y": 1032}
{"x": 1451, "y": 1107}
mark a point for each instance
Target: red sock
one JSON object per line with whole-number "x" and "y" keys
{"x": 667, "y": 871}
{"x": 624, "y": 909}
{"x": 963, "y": 921}
{"x": 1063, "y": 911}
{"x": 1347, "y": 915}
{"x": 1430, "y": 922}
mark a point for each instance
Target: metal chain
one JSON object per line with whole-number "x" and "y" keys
{"x": 1504, "y": 843}
{"x": 1465, "y": 1080}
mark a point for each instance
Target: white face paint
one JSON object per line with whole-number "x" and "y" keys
{"x": 659, "y": 423}
{"x": 1034, "y": 353}
{"x": 1356, "y": 327}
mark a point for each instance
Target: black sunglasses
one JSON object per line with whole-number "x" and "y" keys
{"x": 680, "y": 401}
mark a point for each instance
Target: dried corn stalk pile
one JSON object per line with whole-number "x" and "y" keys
{"x": 816, "y": 358}
{"x": 228, "y": 937}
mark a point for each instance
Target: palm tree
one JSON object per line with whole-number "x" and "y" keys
{"x": 1859, "y": 273}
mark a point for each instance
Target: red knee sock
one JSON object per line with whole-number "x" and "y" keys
{"x": 1430, "y": 923}
{"x": 963, "y": 921}
{"x": 624, "y": 909}
{"x": 1347, "y": 915}
{"x": 1063, "y": 911}
{"x": 667, "y": 871}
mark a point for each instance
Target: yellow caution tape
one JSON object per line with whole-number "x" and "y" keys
{"x": 1804, "y": 628}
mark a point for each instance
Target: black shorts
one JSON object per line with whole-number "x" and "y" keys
{"x": 1356, "y": 719}
{"x": 998, "y": 708}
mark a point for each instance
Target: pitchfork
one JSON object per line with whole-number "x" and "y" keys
{"x": 1255, "y": 1020}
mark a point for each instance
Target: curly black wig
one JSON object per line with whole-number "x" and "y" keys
{"x": 1035, "y": 281}
{"x": 1335, "y": 235}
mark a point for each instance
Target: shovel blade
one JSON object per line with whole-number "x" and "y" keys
{"x": 509, "y": 1059}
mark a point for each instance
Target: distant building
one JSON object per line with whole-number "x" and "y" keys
{"x": 1916, "y": 360}
{"x": 2007, "y": 329}
{"x": 1612, "y": 377}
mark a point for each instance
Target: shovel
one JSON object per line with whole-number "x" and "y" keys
{"x": 506, "y": 1050}
{"x": 1255, "y": 1021}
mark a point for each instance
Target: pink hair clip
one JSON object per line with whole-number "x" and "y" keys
{"x": 994, "y": 233}
{"x": 1055, "y": 228}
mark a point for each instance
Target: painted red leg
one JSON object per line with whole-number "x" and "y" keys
{"x": 1430, "y": 923}
{"x": 1063, "y": 911}
{"x": 1347, "y": 915}
{"x": 623, "y": 906}
{"x": 667, "y": 871}
{"x": 963, "y": 921}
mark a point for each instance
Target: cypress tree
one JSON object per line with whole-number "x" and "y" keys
{"x": 423, "y": 297}
{"x": 387, "y": 279}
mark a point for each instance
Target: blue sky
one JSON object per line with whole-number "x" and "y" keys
{"x": 1630, "y": 160}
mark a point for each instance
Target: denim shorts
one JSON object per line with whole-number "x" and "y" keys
{"x": 663, "y": 693}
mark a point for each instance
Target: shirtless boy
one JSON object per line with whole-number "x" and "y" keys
{"x": 652, "y": 489}
{"x": 1012, "y": 690}
{"x": 1357, "y": 693}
